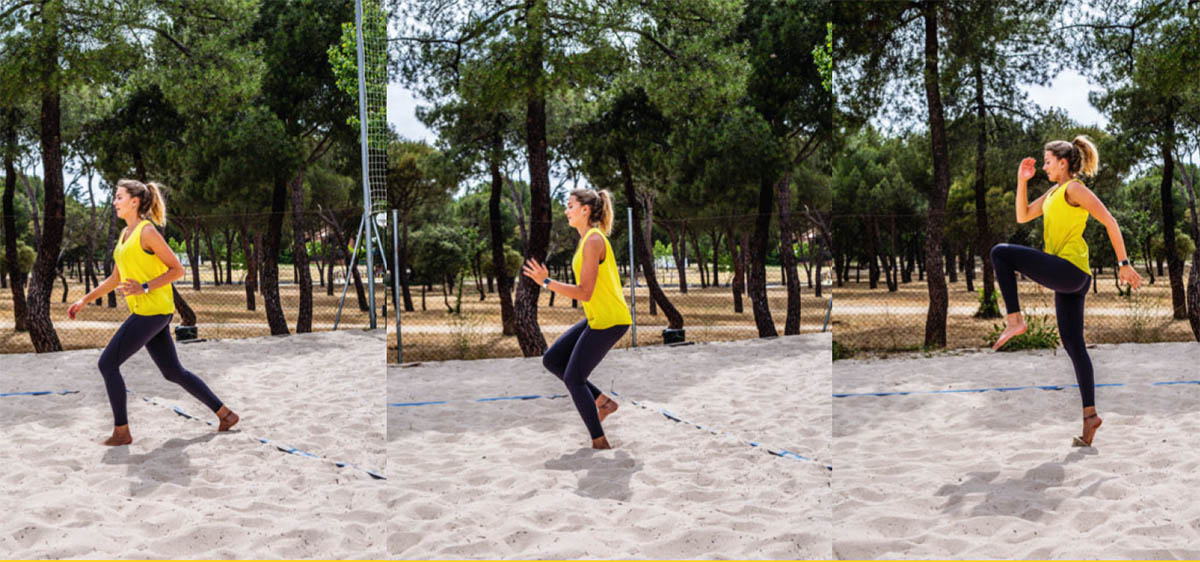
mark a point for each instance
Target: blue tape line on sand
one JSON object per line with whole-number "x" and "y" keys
{"x": 38, "y": 393}
{"x": 496, "y": 399}
{"x": 1176, "y": 382}
{"x": 965, "y": 390}
{"x": 283, "y": 448}
{"x": 777, "y": 452}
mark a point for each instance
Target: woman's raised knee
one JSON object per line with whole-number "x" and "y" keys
{"x": 552, "y": 365}
{"x": 999, "y": 249}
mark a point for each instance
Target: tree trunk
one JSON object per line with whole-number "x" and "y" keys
{"x": 649, "y": 226}
{"x": 701, "y": 266}
{"x": 641, "y": 244}
{"x": 300, "y": 255}
{"x": 1174, "y": 264}
{"x": 757, "y": 282}
{"x": 191, "y": 236}
{"x": 251, "y": 269}
{"x": 1188, "y": 178}
{"x": 329, "y": 268}
{"x": 983, "y": 234}
{"x": 716, "y": 263}
{"x": 14, "y": 274}
{"x": 737, "y": 284}
{"x": 680, "y": 251}
{"x": 935, "y": 321}
{"x": 820, "y": 259}
{"x": 787, "y": 254}
{"x": 951, "y": 266}
{"x": 503, "y": 279}
{"x": 270, "y": 259}
{"x": 228, "y": 256}
{"x": 41, "y": 327}
{"x": 212, "y": 256}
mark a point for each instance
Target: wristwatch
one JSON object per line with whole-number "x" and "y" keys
{"x": 1122, "y": 263}
{"x": 546, "y": 282}
{"x": 146, "y": 287}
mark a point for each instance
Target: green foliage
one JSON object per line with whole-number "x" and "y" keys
{"x": 823, "y": 57}
{"x": 438, "y": 251}
{"x": 842, "y": 351}
{"x": 343, "y": 58}
{"x": 25, "y": 259}
{"x": 1040, "y": 333}
{"x": 988, "y": 307}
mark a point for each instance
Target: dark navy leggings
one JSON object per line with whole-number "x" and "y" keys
{"x": 573, "y": 357}
{"x": 153, "y": 333}
{"x": 1070, "y": 285}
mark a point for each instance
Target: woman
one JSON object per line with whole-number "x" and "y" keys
{"x": 1063, "y": 267}
{"x": 577, "y": 352}
{"x": 144, "y": 268}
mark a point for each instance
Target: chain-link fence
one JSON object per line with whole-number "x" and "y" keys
{"x": 883, "y": 298}
{"x": 701, "y": 265}
{"x": 222, "y": 289}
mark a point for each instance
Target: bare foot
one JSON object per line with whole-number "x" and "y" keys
{"x": 119, "y": 437}
{"x": 1016, "y": 327}
{"x": 1090, "y": 424}
{"x": 605, "y": 406}
{"x": 601, "y": 443}
{"x": 227, "y": 417}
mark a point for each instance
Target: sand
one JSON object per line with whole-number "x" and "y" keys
{"x": 181, "y": 489}
{"x": 516, "y": 478}
{"x": 993, "y": 475}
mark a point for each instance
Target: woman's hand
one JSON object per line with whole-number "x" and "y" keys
{"x": 1128, "y": 275}
{"x": 535, "y": 271}
{"x": 129, "y": 287}
{"x": 1027, "y": 169}
{"x": 75, "y": 308}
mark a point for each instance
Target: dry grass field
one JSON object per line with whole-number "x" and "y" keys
{"x": 874, "y": 319}
{"x": 220, "y": 312}
{"x": 434, "y": 334}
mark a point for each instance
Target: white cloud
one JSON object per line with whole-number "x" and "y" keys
{"x": 402, "y": 114}
{"x": 1069, "y": 92}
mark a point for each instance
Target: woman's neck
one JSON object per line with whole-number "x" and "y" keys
{"x": 583, "y": 229}
{"x": 132, "y": 221}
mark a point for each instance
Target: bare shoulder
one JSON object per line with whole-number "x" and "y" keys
{"x": 595, "y": 239}
{"x": 594, "y": 245}
{"x": 1076, "y": 192}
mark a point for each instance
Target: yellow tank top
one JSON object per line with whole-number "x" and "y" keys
{"x": 137, "y": 264}
{"x": 607, "y": 307}
{"x": 1062, "y": 228}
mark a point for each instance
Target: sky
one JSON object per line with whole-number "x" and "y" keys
{"x": 1069, "y": 92}
{"x": 402, "y": 114}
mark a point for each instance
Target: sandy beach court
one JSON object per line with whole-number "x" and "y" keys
{"x": 181, "y": 490}
{"x": 517, "y": 478}
{"x": 993, "y": 475}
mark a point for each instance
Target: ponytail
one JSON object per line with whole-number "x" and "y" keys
{"x": 600, "y": 202}
{"x": 152, "y": 205}
{"x": 606, "y": 213}
{"x": 1089, "y": 159}
{"x": 1080, "y": 154}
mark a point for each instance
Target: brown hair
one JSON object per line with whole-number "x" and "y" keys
{"x": 602, "y": 208}
{"x": 1080, "y": 154}
{"x": 151, "y": 204}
